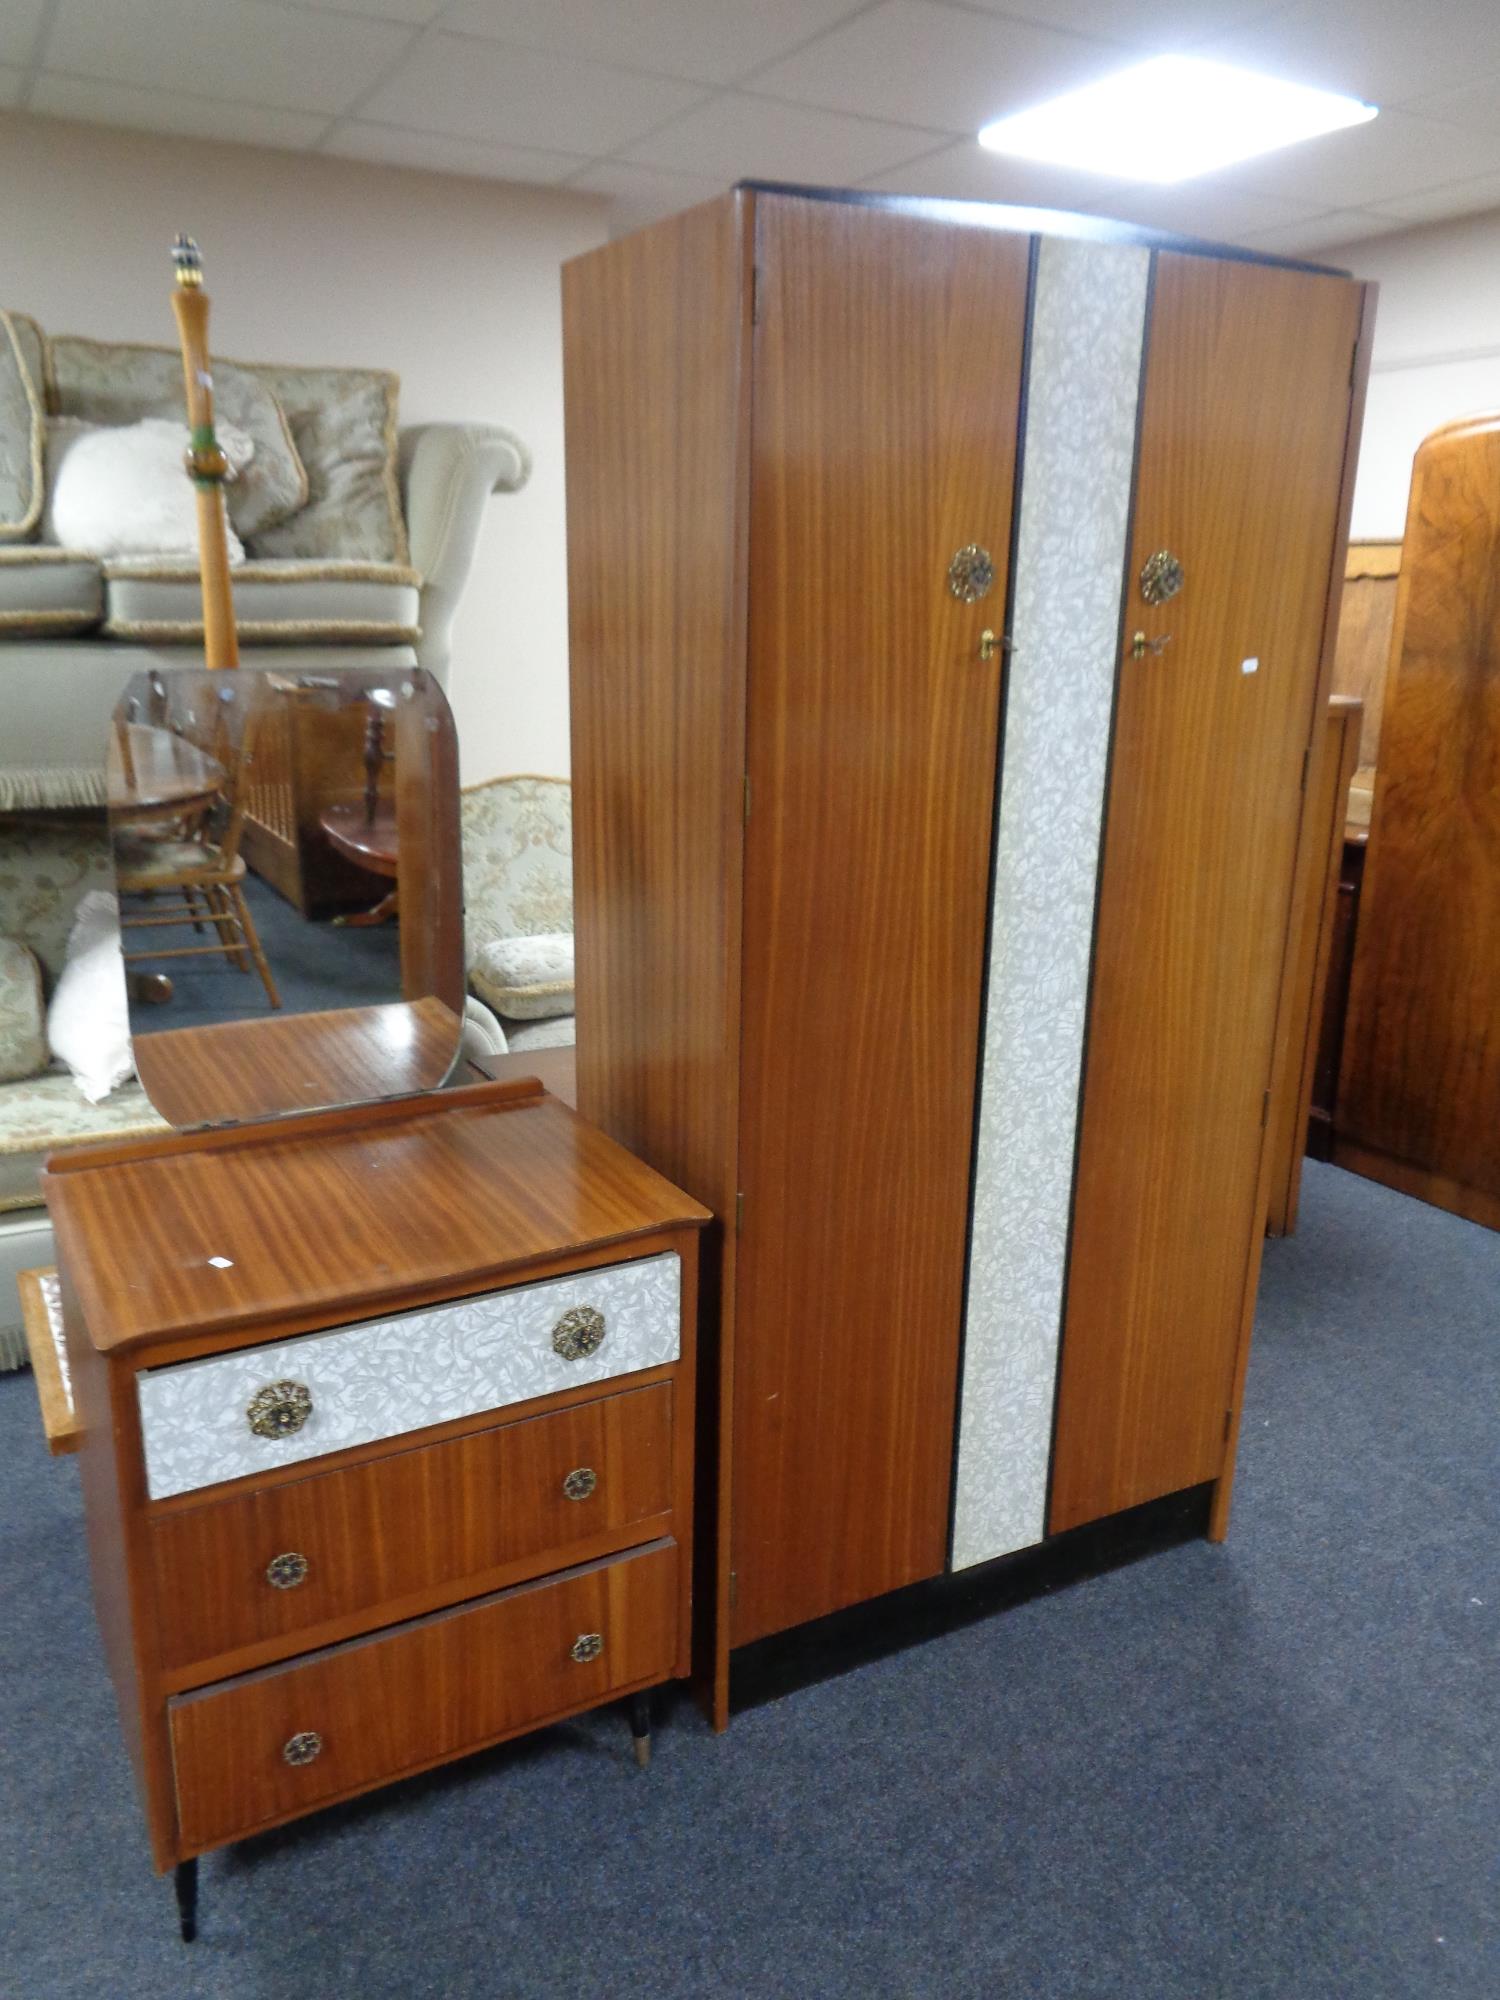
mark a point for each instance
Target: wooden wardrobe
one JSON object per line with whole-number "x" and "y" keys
{"x": 932, "y": 870}
{"x": 1419, "y": 1087}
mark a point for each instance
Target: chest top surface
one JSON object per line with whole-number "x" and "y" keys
{"x": 213, "y": 1231}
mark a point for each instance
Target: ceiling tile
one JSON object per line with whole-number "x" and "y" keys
{"x": 1474, "y": 104}
{"x": 1144, "y": 24}
{"x": 357, "y": 139}
{"x": 415, "y": 13}
{"x": 1203, "y": 208}
{"x": 1386, "y": 51}
{"x": 519, "y": 97}
{"x": 715, "y": 41}
{"x": 1321, "y": 233}
{"x": 943, "y": 68}
{"x": 639, "y": 195}
{"x": 1397, "y": 154}
{"x": 10, "y": 84}
{"x": 738, "y": 138}
{"x": 234, "y": 49}
{"x": 1456, "y": 198}
{"x": 966, "y": 172}
{"x": 94, "y": 103}
{"x": 19, "y": 21}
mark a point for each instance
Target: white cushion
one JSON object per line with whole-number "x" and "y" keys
{"x": 526, "y": 978}
{"x": 88, "y": 1023}
{"x": 126, "y": 491}
{"x": 23, "y": 1014}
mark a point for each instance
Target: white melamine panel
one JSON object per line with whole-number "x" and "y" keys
{"x": 386, "y": 1377}
{"x": 1081, "y": 406}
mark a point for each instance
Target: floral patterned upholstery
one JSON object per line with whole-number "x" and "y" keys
{"x": 518, "y": 883}
{"x": 46, "y": 865}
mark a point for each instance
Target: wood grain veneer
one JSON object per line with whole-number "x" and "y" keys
{"x": 245, "y": 1070}
{"x": 401, "y": 1701}
{"x": 1244, "y": 428}
{"x": 656, "y": 333}
{"x": 312, "y": 1213}
{"x": 895, "y": 344}
{"x": 430, "y": 1523}
{"x": 1419, "y": 1091}
{"x": 1320, "y": 852}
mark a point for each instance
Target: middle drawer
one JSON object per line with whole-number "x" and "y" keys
{"x": 260, "y": 1566}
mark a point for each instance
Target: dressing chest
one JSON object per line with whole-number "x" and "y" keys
{"x": 386, "y": 1440}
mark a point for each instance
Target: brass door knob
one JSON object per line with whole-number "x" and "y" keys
{"x": 279, "y": 1409}
{"x": 303, "y": 1747}
{"x": 579, "y": 1333}
{"x": 587, "y": 1646}
{"x": 285, "y": 1572}
{"x": 580, "y": 1482}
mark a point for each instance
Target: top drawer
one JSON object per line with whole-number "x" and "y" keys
{"x": 203, "y": 1422}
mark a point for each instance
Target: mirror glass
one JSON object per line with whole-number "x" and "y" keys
{"x": 286, "y": 856}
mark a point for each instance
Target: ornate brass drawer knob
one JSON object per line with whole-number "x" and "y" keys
{"x": 581, "y": 1482}
{"x": 579, "y": 1333}
{"x": 971, "y": 574}
{"x": 285, "y": 1572}
{"x": 279, "y": 1409}
{"x": 303, "y": 1747}
{"x": 1161, "y": 577}
{"x": 587, "y": 1646}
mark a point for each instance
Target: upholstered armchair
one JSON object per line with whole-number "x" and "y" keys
{"x": 518, "y": 906}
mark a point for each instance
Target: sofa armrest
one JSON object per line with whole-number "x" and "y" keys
{"x": 448, "y": 471}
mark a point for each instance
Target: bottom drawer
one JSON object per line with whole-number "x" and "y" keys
{"x": 276, "y": 1743}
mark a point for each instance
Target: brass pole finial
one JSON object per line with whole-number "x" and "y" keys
{"x": 188, "y": 260}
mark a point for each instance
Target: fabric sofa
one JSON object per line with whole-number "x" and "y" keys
{"x": 359, "y": 538}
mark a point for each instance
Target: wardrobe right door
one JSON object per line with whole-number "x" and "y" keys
{"x": 1242, "y": 440}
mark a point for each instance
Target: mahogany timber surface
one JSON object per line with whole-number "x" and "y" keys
{"x": 1320, "y": 853}
{"x": 656, "y": 333}
{"x": 400, "y": 1700}
{"x": 244, "y": 1070}
{"x": 1245, "y": 421}
{"x": 366, "y": 1205}
{"x": 886, "y": 403}
{"x": 1419, "y": 1094}
{"x": 409, "y": 1525}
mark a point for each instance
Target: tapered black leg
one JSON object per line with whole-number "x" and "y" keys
{"x": 640, "y": 1727}
{"x": 185, "y": 1881}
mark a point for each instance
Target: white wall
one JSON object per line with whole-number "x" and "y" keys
{"x": 453, "y": 283}
{"x": 1437, "y": 350}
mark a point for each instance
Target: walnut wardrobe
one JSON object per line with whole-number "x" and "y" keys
{"x": 951, "y": 612}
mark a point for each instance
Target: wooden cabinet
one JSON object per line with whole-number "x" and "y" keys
{"x": 387, "y": 1447}
{"x": 1419, "y": 1090}
{"x": 933, "y": 867}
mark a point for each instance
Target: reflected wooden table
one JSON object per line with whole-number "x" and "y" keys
{"x": 152, "y": 773}
{"x": 369, "y": 840}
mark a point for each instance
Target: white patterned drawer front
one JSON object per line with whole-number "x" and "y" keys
{"x": 387, "y": 1376}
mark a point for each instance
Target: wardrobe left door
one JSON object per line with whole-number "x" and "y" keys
{"x": 885, "y": 397}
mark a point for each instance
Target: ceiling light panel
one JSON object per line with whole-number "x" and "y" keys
{"x": 1172, "y": 118}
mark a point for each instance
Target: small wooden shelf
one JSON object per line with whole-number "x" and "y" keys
{"x": 41, "y": 1315}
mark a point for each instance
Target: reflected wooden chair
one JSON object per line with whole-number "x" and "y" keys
{"x": 204, "y": 864}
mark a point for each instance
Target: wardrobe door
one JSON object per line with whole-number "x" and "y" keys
{"x": 886, "y": 386}
{"x": 1243, "y": 424}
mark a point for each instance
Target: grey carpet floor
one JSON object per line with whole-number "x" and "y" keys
{"x": 1267, "y": 1769}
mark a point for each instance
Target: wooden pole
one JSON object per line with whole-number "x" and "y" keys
{"x": 206, "y": 462}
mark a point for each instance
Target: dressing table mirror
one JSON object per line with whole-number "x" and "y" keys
{"x": 286, "y": 857}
